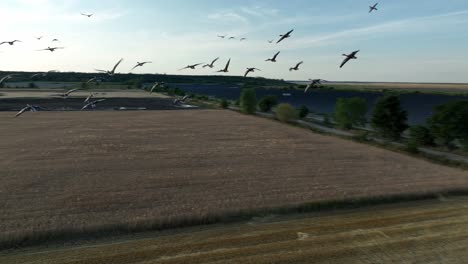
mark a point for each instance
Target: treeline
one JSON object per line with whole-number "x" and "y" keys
{"x": 447, "y": 127}
{"x": 136, "y": 79}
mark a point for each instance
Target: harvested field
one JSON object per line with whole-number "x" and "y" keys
{"x": 81, "y": 171}
{"x": 422, "y": 232}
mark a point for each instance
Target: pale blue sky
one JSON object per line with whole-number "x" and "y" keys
{"x": 405, "y": 40}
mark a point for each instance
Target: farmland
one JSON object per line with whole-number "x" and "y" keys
{"x": 418, "y": 232}
{"x": 78, "y": 172}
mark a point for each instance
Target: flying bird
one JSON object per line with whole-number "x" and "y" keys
{"x": 182, "y": 100}
{"x": 88, "y": 15}
{"x": 43, "y": 74}
{"x": 296, "y": 68}
{"x": 191, "y": 66}
{"x": 10, "y": 42}
{"x": 88, "y": 99}
{"x": 27, "y": 108}
{"x": 285, "y": 36}
{"x": 6, "y": 78}
{"x": 226, "y": 68}
{"x": 39, "y": 38}
{"x": 249, "y": 70}
{"x": 270, "y": 41}
{"x": 112, "y": 72}
{"x": 373, "y": 8}
{"x": 232, "y": 38}
{"x": 211, "y": 65}
{"x": 274, "y": 57}
{"x": 67, "y": 93}
{"x": 91, "y": 80}
{"x": 351, "y": 56}
{"x": 242, "y": 39}
{"x": 92, "y": 104}
{"x": 156, "y": 85}
{"x": 55, "y": 40}
{"x": 312, "y": 84}
{"x": 140, "y": 64}
{"x": 219, "y": 36}
{"x": 51, "y": 49}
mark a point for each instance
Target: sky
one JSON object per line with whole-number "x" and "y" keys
{"x": 404, "y": 41}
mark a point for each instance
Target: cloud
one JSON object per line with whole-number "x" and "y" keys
{"x": 410, "y": 25}
{"x": 228, "y": 16}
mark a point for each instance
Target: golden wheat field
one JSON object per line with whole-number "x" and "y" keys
{"x": 418, "y": 232}
{"x": 82, "y": 171}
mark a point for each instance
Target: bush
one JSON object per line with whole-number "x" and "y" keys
{"x": 421, "y": 135}
{"x": 388, "y": 119}
{"x": 286, "y": 113}
{"x": 303, "y": 111}
{"x": 362, "y": 136}
{"x": 412, "y": 147}
{"x": 237, "y": 102}
{"x": 267, "y": 102}
{"x": 449, "y": 122}
{"x": 224, "y": 104}
{"x": 350, "y": 112}
{"x": 248, "y": 101}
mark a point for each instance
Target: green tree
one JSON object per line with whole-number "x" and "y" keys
{"x": 388, "y": 118}
{"x": 303, "y": 111}
{"x": 224, "y": 103}
{"x": 286, "y": 113}
{"x": 267, "y": 102}
{"x": 450, "y": 122}
{"x": 248, "y": 101}
{"x": 350, "y": 112}
{"x": 421, "y": 135}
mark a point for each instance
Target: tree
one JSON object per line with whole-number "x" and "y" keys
{"x": 267, "y": 102}
{"x": 350, "y": 112}
{"x": 303, "y": 111}
{"x": 421, "y": 135}
{"x": 224, "y": 103}
{"x": 248, "y": 101}
{"x": 450, "y": 122}
{"x": 286, "y": 113}
{"x": 388, "y": 118}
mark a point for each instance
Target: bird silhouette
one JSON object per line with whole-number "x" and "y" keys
{"x": 312, "y": 84}
{"x": 51, "y": 49}
{"x": 211, "y": 65}
{"x": 285, "y": 36}
{"x": 7, "y": 77}
{"x": 373, "y": 8}
{"x": 10, "y": 42}
{"x": 112, "y": 72}
{"x": 140, "y": 64}
{"x": 274, "y": 57}
{"x": 92, "y": 104}
{"x": 249, "y": 70}
{"x": 351, "y": 56}
{"x": 192, "y": 67}
{"x": 296, "y": 68}
{"x": 226, "y": 68}
{"x": 88, "y": 15}
{"x": 27, "y": 108}
{"x": 66, "y": 94}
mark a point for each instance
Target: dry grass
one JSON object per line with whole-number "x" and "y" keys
{"x": 422, "y": 232}
{"x": 85, "y": 171}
